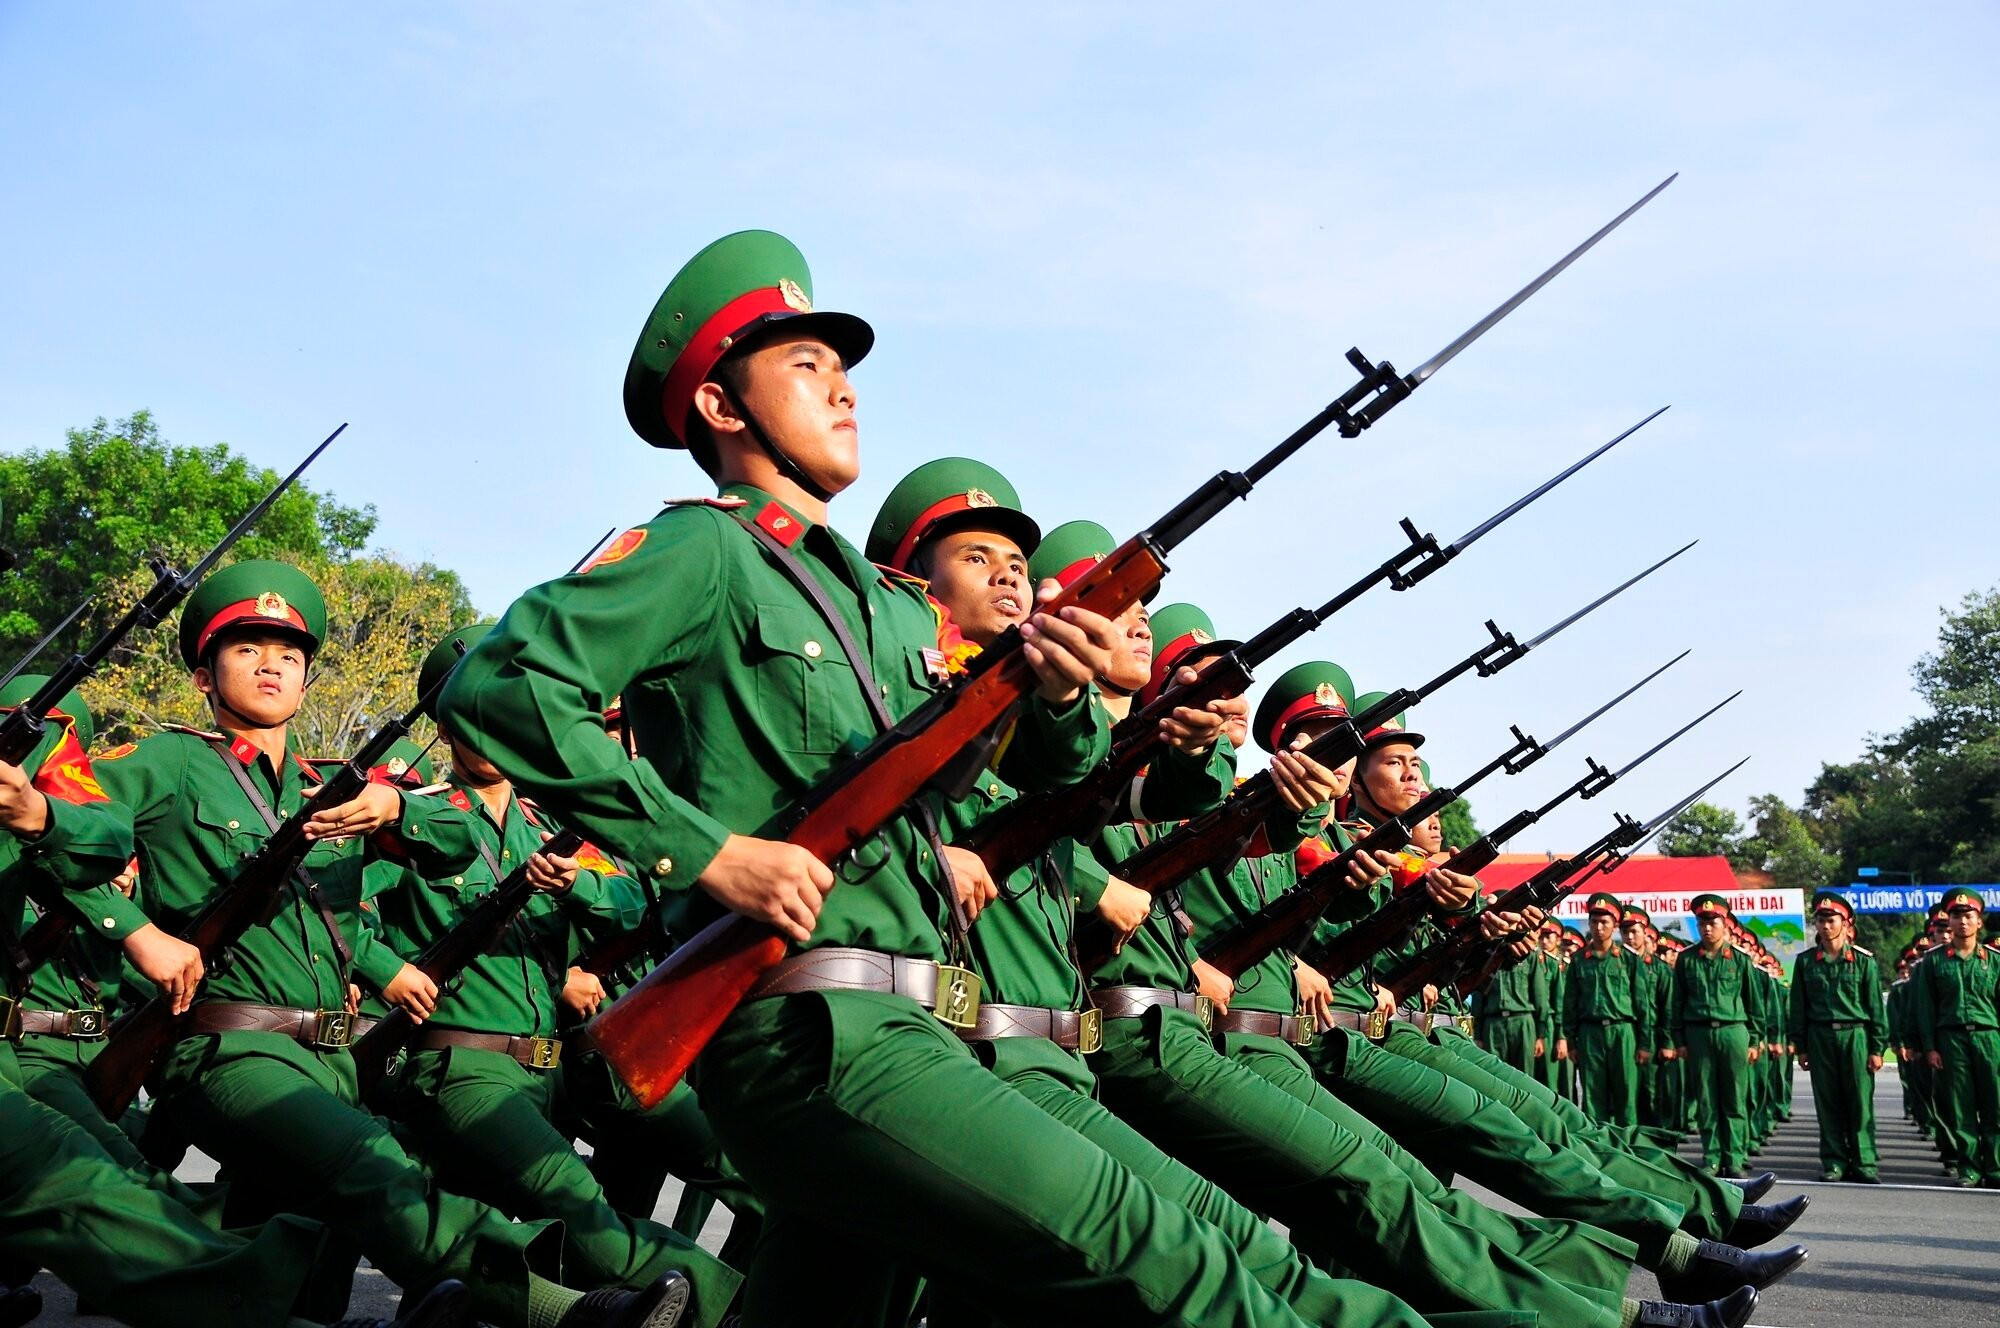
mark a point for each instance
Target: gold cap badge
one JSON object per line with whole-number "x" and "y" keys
{"x": 1326, "y": 694}
{"x": 397, "y": 767}
{"x": 980, "y": 498}
{"x": 271, "y": 604}
{"x": 1201, "y": 638}
{"x": 793, "y": 296}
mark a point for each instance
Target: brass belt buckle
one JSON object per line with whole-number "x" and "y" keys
{"x": 333, "y": 1031}
{"x": 85, "y": 1025}
{"x": 10, "y": 1018}
{"x": 1378, "y": 1024}
{"x": 957, "y": 997}
{"x": 1204, "y": 1010}
{"x": 543, "y": 1053}
{"x": 1303, "y": 1037}
{"x": 1464, "y": 1022}
{"x": 1090, "y": 1031}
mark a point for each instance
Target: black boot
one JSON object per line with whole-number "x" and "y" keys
{"x": 1732, "y": 1311}
{"x": 1718, "y": 1269}
{"x": 446, "y": 1305}
{"x": 657, "y": 1306}
{"x": 1760, "y": 1224}
{"x": 1756, "y": 1187}
{"x": 19, "y": 1305}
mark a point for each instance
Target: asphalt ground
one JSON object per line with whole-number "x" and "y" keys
{"x": 1913, "y": 1250}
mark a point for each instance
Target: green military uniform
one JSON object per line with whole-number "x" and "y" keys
{"x": 741, "y": 701}
{"x": 65, "y": 1203}
{"x": 1767, "y": 1031}
{"x": 1712, "y": 1018}
{"x": 1957, "y": 1005}
{"x": 1547, "y": 1067}
{"x": 1604, "y": 998}
{"x": 1650, "y": 1027}
{"x": 1671, "y": 1080}
{"x": 1837, "y": 1020}
{"x": 1512, "y": 1008}
{"x": 282, "y": 1116}
{"x": 479, "y": 1090}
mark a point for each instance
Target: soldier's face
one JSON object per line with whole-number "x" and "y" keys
{"x": 1601, "y": 927}
{"x": 1393, "y": 777}
{"x": 982, "y": 580}
{"x": 1430, "y": 835}
{"x": 256, "y": 679}
{"x": 1713, "y": 932}
{"x": 1833, "y": 928}
{"x": 798, "y": 393}
{"x": 1635, "y": 938}
{"x": 1131, "y": 664}
{"x": 1965, "y": 923}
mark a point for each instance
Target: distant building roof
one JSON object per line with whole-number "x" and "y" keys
{"x": 1642, "y": 874}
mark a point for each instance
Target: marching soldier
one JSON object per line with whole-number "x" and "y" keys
{"x": 1839, "y": 1025}
{"x": 1712, "y": 1022}
{"x": 261, "y": 1081}
{"x": 1601, "y": 1008}
{"x": 1957, "y": 1001}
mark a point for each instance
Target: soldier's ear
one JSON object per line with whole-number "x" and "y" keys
{"x": 204, "y": 679}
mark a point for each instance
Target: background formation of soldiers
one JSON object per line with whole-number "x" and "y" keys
{"x": 976, "y": 1086}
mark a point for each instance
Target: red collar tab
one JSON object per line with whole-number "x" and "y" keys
{"x": 459, "y": 800}
{"x": 711, "y": 341}
{"x": 781, "y": 525}
{"x": 243, "y": 750}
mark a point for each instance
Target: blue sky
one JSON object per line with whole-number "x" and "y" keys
{"x": 1110, "y": 249}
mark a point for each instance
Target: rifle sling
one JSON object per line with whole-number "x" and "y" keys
{"x": 871, "y": 692}
{"x": 549, "y": 960}
{"x": 241, "y": 774}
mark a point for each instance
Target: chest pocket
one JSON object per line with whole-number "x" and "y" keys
{"x": 805, "y": 688}
{"x": 237, "y": 828}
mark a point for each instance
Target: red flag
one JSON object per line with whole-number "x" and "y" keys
{"x": 66, "y": 772}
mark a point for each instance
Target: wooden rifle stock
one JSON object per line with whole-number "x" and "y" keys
{"x": 473, "y": 935}
{"x": 652, "y": 1033}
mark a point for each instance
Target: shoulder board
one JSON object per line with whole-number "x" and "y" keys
{"x": 1864, "y": 953}
{"x": 1990, "y": 946}
{"x": 185, "y": 731}
{"x": 719, "y": 503}
{"x": 902, "y": 577}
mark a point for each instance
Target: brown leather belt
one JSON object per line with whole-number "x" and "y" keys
{"x": 1131, "y": 1002}
{"x": 77, "y": 1025}
{"x": 1284, "y": 1027}
{"x": 847, "y": 968}
{"x": 1371, "y": 1024}
{"x": 1072, "y": 1030}
{"x": 537, "y": 1053}
{"x": 322, "y": 1030}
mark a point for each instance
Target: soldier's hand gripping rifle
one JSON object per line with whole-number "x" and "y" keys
{"x": 25, "y": 725}
{"x": 1217, "y": 838}
{"x": 1286, "y": 921}
{"x": 1426, "y": 968}
{"x": 652, "y": 1033}
{"x": 1475, "y": 963}
{"x": 479, "y": 932}
{"x": 1018, "y": 831}
{"x": 138, "y": 1039}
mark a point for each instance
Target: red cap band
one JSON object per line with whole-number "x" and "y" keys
{"x": 930, "y": 516}
{"x": 1068, "y": 575}
{"x": 246, "y": 610}
{"x": 1306, "y": 707}
{"x": 711, "y": 341}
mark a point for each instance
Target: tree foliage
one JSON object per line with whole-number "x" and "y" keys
{"x": 81, "y": 517}
{"x": 1705, "y": 830}
{"x": 1457, "y": 823}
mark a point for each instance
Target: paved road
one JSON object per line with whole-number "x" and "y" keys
{"x": 1913, "y": 1251}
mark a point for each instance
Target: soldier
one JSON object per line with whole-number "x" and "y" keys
{"x": 1840, "y": 1027}
{"x": 1711, "y": 1021}
{"x": 751, "y": 645}
{"x": 261, "y": 1080}
{"x": 1601, "y": 1008}
{"x": 1650, "y": 1028}
{"x": 479, "y": 1089}
{"x": 1548, "y": 1033}
{"x": 1957, "y": 1002}
{"x": 1672, "y": 1070}
{"x": 1513, "y": 1008}
{"x": 120, "y": 1233}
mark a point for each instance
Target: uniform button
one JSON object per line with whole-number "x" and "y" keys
{"x": 110, "y": 922}
{"x": 814, "y": 650}
{"x": 992, "y": 790}
{"x": 458, "y": 880}
{"x": 233, "y": 825}
{"x": 506, "y": 853}
{"x": 885, "y": 689}
{"x": 663, "y": 867}
{"x": 924, "y": 856}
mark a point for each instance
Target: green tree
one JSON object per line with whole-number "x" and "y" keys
{"x": 82, "y": 516}
{"x": 1787, "y": 845}
{"x": 1458, "y": 824}
{"x": 1705, "y": 830}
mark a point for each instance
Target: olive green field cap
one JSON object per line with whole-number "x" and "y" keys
{"x": 444, "y": 657}
{"x": 942, "y": 496}
{"x": 1392, "y": 730}
{"x": 1316, "y": 689}
{"x": 257, "y": 592}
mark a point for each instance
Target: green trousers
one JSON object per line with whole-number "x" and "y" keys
{"x": 1511, "y": 1037}
{"x": 1249, "y": 1115}
{"x": 1668, "y": 1094}
{"x": 140, "y": 1254}
{"x": 1970, "y": 1081}
{"x": 1605, "y": 1066}
{"x": 635, "y": 1149}
{"x": 1843, "y": 1098}
{"x": 1719, "y": 1075}
{"x": 1710, "y": 1206}
{"x": 870, "y": 1130}
{"x": 268, "y": 1109}
{"x": 51, "y": 1070}
{"x": 484, "y": 1122}
{"x": 1437, "y": 1117}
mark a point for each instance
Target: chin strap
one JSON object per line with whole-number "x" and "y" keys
{"x": 786, "y": 466}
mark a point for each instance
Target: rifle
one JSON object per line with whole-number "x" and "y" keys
{"x": 479, "y": 932}
{"x": 652, "y": 1033}
{"x": 1014, "y": 834}
{"x": 23, "y": 728}
{"x": 1340, "y": 955}
{"x": 1416, "y": 972}
{"x": 139, "y": 1038}
{"x": 1289, "y": 919}
{"x": 1218, "y": 837}
{"x": 1451, "y": 958}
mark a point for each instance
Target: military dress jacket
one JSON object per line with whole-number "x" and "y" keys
{"x": 1837, "y": 989}
{"x": 81, "y": 849}
{"x": 1602, "y": 987}
{"x": 1955, "y": 991}
{"x": 1715, "y": 988}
